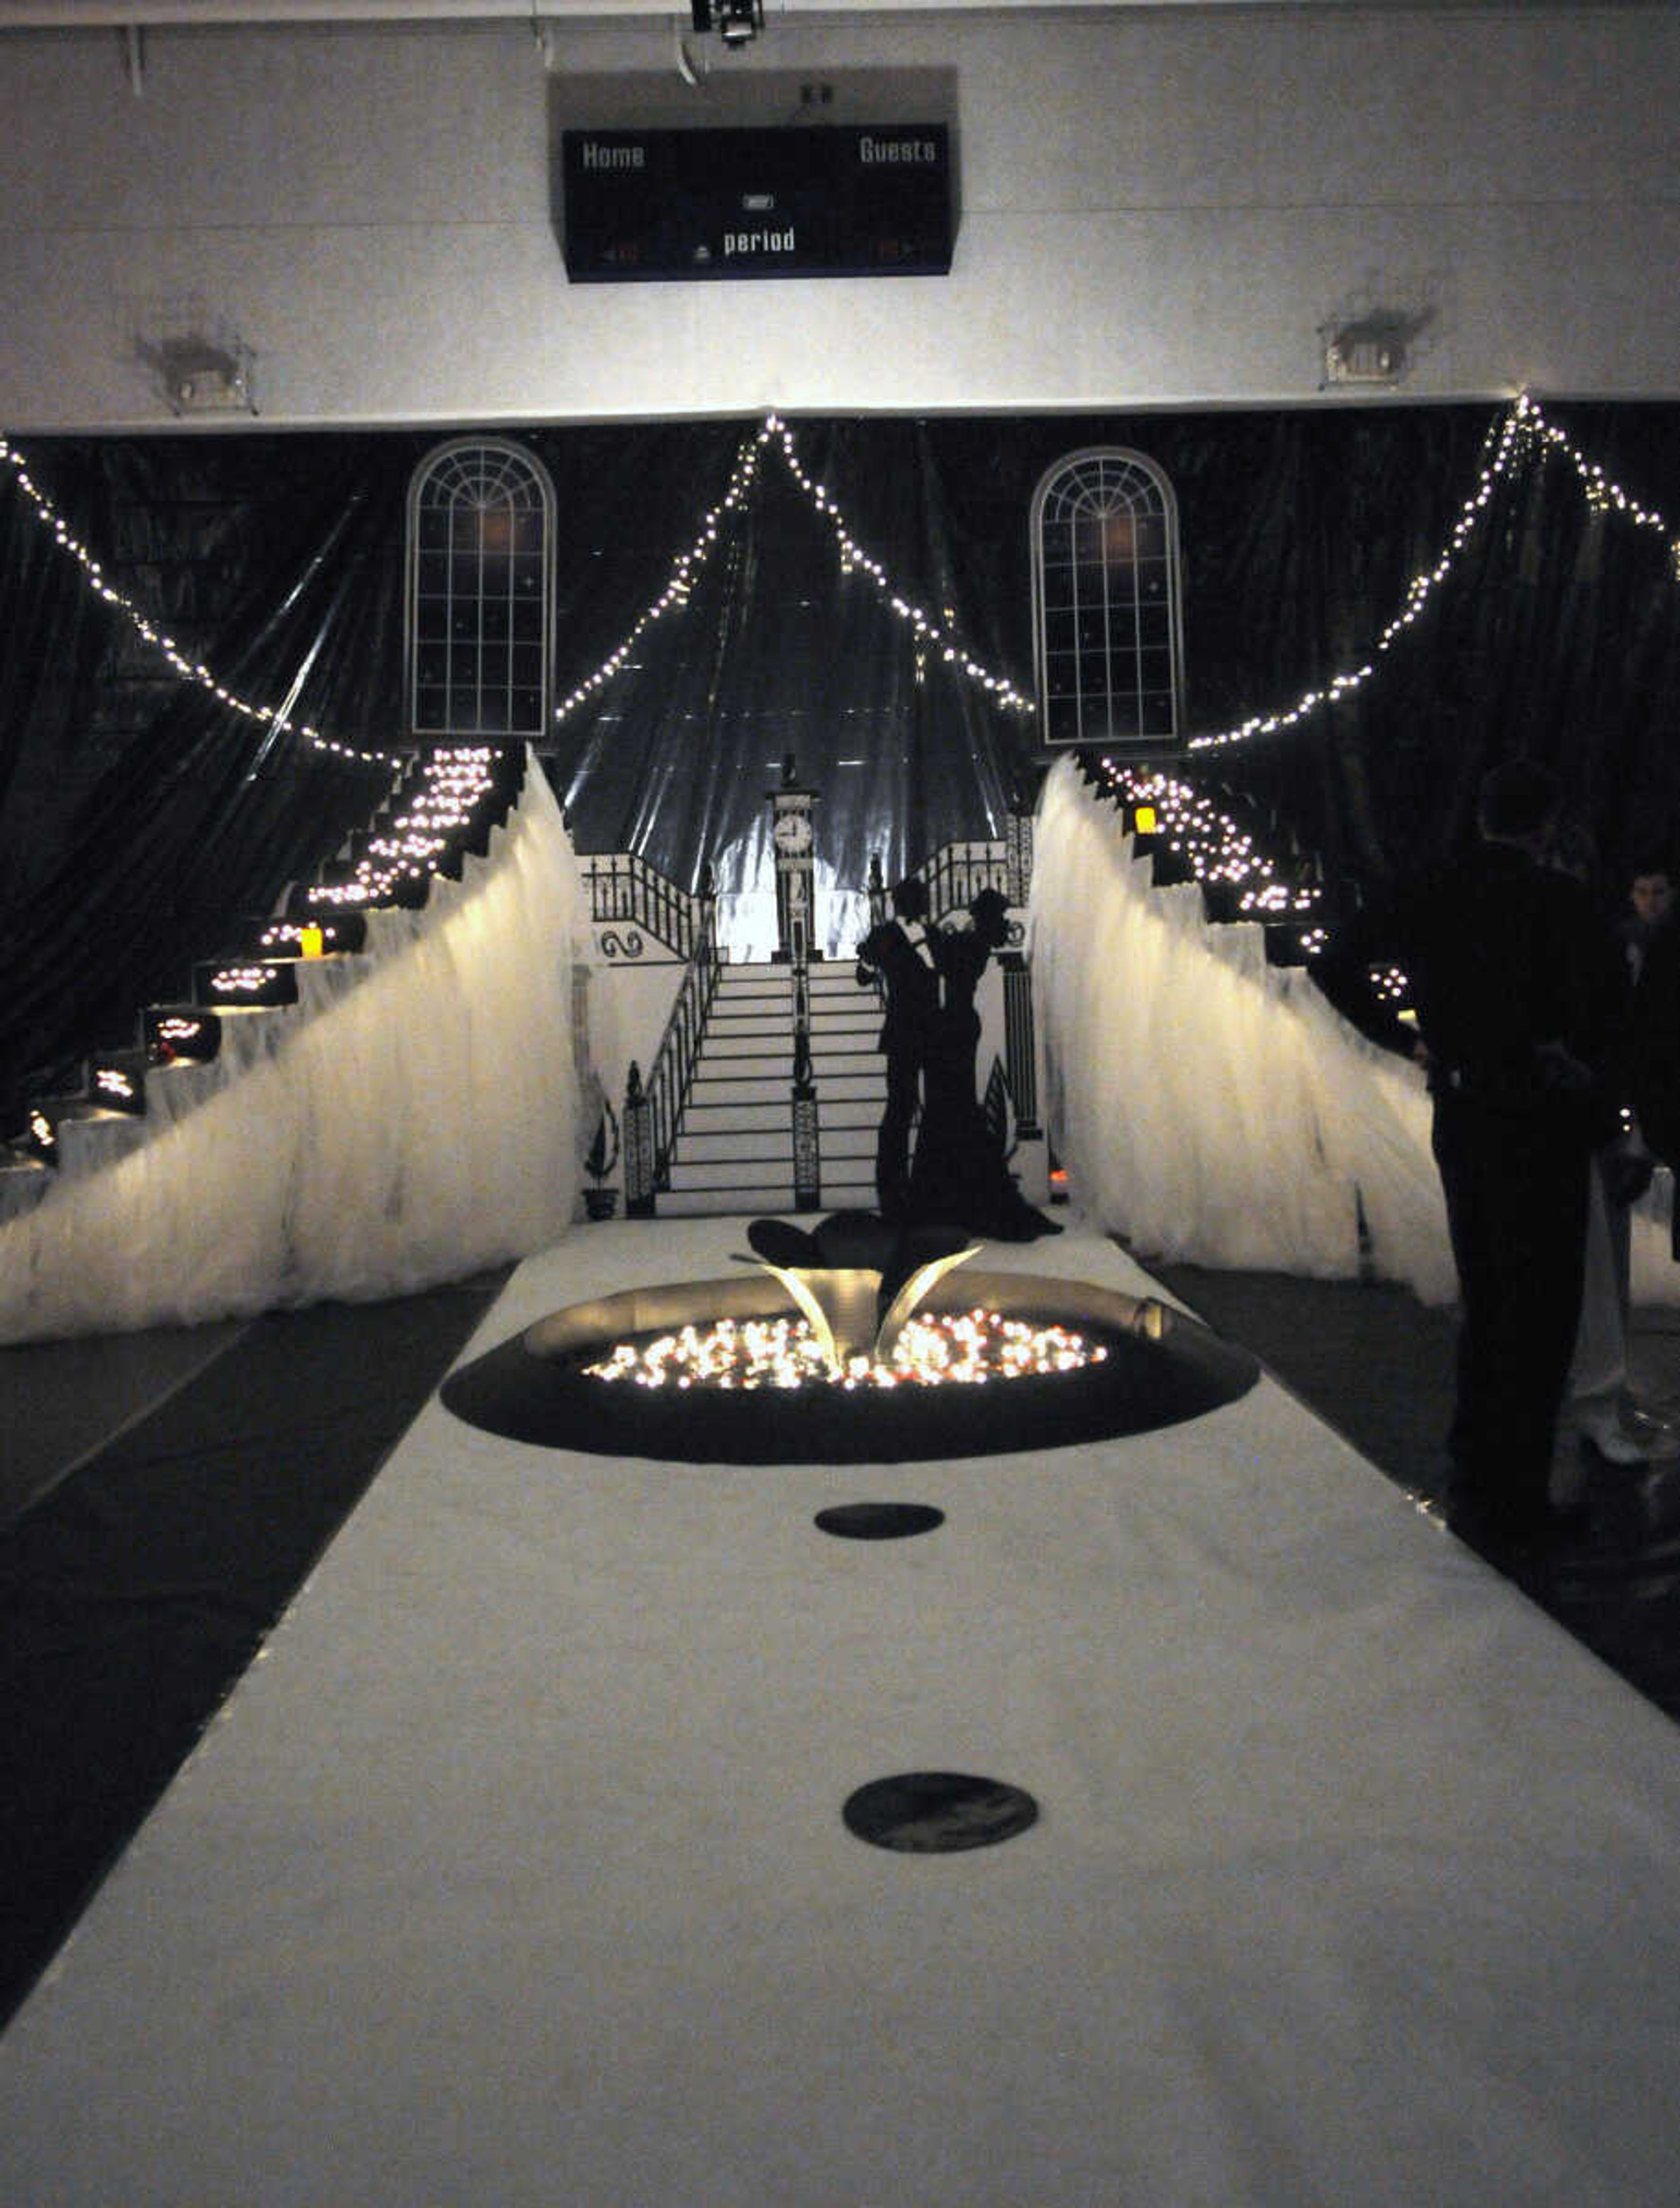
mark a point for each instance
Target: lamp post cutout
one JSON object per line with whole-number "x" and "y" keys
{"x": 637, "y": 1147}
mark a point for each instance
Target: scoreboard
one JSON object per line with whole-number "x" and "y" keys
{"x": 836, "y": 200}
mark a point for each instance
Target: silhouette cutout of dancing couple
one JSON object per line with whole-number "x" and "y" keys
{"x": 956, "y": 1174}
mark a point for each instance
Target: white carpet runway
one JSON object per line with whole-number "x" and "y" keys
{"x": 515, "y": 1872}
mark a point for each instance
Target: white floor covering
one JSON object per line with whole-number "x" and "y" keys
{"x": 515, "y": 1872}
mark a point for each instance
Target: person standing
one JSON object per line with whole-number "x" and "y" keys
{"x": 1505, "y": 959}
{"x": 1600, "y": 1404}
{"x": 897, "y": 956}
{"x": 1653, "y": 937}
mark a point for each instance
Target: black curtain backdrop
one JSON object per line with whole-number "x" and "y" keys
{"x": 140, "y": 817}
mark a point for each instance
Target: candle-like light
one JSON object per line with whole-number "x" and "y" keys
{"x": 963, "y": 1348}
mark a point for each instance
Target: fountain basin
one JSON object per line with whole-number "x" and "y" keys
{"x": 1159, "y": 1368}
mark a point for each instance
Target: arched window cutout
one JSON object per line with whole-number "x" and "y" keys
{"x": 1106, "y": 639}
{"x": 481, "y": 521}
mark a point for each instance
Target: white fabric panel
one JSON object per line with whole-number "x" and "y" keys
{"x": 1214, "y": 1108}
{"x": 414, "y": 1118}
{"x": 515, "y": 1877}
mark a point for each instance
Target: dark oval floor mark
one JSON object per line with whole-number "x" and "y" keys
{"x": 879, "y": 1521}
{"x": 937, "y": 1812}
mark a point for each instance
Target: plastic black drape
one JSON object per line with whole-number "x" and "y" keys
{"x": 144, "y": 815}
{"x": 139, "y": 816}
{"x": 780, "y": 650}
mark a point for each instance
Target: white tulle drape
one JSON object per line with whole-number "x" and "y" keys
{"x": 1215, "y": 1108}
{"x": 413, "y": 1118}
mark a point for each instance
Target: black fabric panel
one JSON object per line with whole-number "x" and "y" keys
{"x": 778, "y": 651}
{"x": 139, "y": 818}
{"x": 134, "y": 1595}
{"x": 135, "y": 837}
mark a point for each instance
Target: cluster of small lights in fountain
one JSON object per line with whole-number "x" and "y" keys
{"x": 853, "y": 560}
{"x": 453, "y": 785}
{"x": 849, "y": 1347}
{"x": 934, "y": 1349}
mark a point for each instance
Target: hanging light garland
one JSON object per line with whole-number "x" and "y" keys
{"x": 929, "y": 633}
{"x": 190, "y": 671}
{"x": 1523, "y": 427}
{"x": 684, "y": 569}
{"x": 1603, "y": 495}
{"x": 853, "y": 560}
{"x": 1504, "y": 447}
{"x": 1220, "y": 853}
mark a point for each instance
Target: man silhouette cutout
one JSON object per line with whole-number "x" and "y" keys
{"x": 898, "y": 956}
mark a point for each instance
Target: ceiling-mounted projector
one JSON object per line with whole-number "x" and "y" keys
{"x": 736, "y": 22}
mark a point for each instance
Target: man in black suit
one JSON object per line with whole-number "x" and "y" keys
{"x": 897, "y": 956}
{"x": 1506, "y": 959}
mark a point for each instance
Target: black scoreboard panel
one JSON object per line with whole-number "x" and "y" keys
{"x": 840, "y": 199}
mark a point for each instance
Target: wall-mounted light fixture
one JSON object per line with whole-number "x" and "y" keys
{"x": 202, "y": 369}
{"x": 1370, "y": 350}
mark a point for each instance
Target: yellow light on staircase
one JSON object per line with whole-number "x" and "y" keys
{"x": 311, "y": 941}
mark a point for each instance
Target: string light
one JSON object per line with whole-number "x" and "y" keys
{"x": 445, "y": 801}
{"x": 1523, "y": 429}
{"x": 190, "y": 670}
{"x": 1220, "y": 853}
{"x": 930, "y": 634}
{"x": 1391, "y": 984}
{"x": 300, "y": 939}
{"x": 938, "y": 634}
{"x": 1211, "y": 843}
{"x": 1602, "y": 495}
{"x": 1214, "y": 847}
{"x": 182, "y": 1035}
{"x": 250, "y": 986}
{"x": 685, "y": 568}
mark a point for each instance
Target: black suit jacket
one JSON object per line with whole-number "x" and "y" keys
{"x": 912, "y": 988}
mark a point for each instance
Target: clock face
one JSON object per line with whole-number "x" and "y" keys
{"x": 792, "y": 832}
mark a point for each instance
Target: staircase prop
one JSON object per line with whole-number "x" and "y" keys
{"x": 652, "y": 1112}
{"x": 372, "y": 1089}
{"x": 737, "y": 1145}
{"x": 766, "y": 1091}
{"x": 1207, "y": 1103}
{"x": 635, "y": 903}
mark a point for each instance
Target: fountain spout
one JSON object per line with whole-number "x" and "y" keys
{"x": 858, "y": 1279}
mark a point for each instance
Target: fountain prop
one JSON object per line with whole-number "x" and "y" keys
{"x": 869, "y": 1378}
